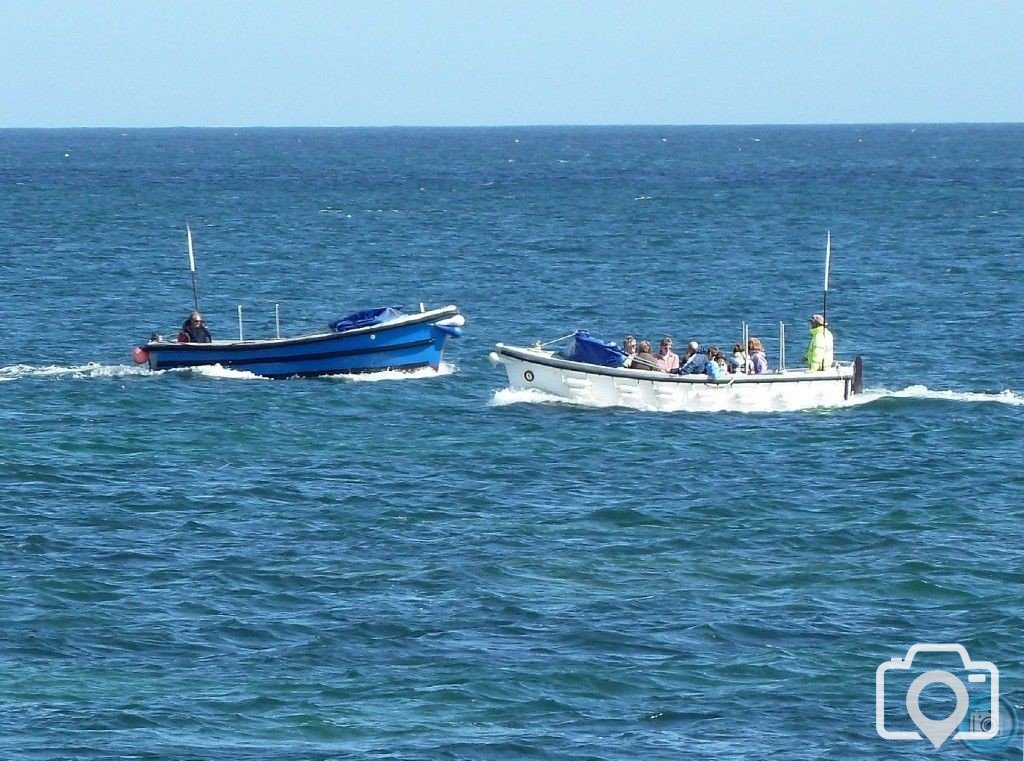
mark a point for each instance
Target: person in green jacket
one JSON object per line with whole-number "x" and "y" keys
{"x": 819, "y": 351}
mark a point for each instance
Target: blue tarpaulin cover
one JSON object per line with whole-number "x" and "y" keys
{"x": 586, "y": 348}
{"x": 366, "y": 317}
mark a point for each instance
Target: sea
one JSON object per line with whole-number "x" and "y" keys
{"x": 208, "y": 565}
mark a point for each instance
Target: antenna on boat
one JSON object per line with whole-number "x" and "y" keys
{"x": 828, "y": 257}
{"x": 277, "y": 318}
{"x": 192, "y": 266}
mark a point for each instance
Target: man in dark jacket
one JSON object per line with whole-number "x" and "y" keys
{"x": 194, "y": 330}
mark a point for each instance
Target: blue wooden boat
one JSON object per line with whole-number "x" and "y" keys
{"x": 371, "y": 341}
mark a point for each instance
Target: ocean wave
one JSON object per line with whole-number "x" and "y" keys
{"x": 1006, "y": 396}
{"x": 96, "y": 370}
{"x": 509, "y": 396}
{"x": 89, "y": 370}
{"x": 445, "y": 368}
{"x": 216, "y": 371}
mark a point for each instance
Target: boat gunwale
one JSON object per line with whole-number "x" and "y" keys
{"x": 170, "y": 364}
{"x": 843, "y": 372}
{"x": 416, "y": 318}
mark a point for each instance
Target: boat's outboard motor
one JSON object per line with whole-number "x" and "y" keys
{"x": 858, "y": 375}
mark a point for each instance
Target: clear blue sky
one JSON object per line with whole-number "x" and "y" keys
{"x": 492, "y": 62}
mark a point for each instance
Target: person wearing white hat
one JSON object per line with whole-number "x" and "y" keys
{"x": 696, "y": 361}
{"x": 819, "y": 351}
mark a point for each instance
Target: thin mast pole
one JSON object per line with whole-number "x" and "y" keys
{"x": 192, "y": 267}
{"x": 828, "y": 257}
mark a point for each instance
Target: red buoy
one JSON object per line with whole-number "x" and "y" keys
{"x": 140, "y": 356}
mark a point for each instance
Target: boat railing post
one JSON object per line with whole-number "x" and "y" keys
{"x": 277, "y": 318}
{"x": 240, "y": 323}
{"x": 745, "y": 338}
{"x": 782, "y": 347}
{"x": 423, "y": 307}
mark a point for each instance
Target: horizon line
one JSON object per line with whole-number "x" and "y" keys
{"x": 582, "y": 125}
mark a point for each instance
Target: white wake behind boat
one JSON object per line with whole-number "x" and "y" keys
{"x": 552, "y": 373}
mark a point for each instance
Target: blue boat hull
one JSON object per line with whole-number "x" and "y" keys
{"x": 411, "y": 342}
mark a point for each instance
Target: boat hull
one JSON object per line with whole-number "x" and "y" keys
{"x": 410, "y": 342}
{"x": 532, "y": 368}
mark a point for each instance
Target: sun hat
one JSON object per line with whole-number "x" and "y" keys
{"x": 817, "y": 319}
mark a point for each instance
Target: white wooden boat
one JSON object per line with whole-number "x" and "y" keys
{"x": 550, "y": 372}
{"x": 592, "y": 372}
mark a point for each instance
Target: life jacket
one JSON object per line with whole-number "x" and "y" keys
{"x": 819, "y": 352}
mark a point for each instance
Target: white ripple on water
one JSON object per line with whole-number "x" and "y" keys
{"x": 1006, "y": 396}
{"x": 509, "y": 396}
{"x": 90, "y": 370}
{"x": 217, "y": 371}
{"x": 445, "y": 368}
{"x": 95, "y": 370}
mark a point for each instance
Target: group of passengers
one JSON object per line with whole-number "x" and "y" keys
{"x": 710, "y": 361}
{"x": 715, "y": 364}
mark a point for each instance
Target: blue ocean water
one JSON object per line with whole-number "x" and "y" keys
{"x": 207, "y": 565}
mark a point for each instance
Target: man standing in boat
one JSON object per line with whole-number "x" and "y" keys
{"x": 819, "y": 351}
{"x": 194, "y": 330}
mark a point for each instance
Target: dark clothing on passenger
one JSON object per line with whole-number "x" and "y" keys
{"x": 196, "y": 334}
{"x": 695, "y": 365}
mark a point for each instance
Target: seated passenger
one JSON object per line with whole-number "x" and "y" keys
{"x": 758, "y": 361}
{"x": 696, "y": 360}
{"x": 691, "y": 348}
{"x": 629, "y": 345}
{"x": 738, "y": 362}
{"x": 716, "y": 366}
{"x": 644, "y": 360}
{"x": 667, "y": 359}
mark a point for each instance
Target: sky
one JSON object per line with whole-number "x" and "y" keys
{"x": 165, "y": 63}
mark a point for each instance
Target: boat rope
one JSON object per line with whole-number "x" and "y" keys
{"x": 556, "y": 340}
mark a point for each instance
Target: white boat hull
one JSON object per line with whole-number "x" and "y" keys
{"x": 546, "y": 372}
